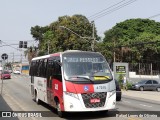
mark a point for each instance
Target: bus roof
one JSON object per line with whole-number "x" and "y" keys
{"x": 58, "y": 54}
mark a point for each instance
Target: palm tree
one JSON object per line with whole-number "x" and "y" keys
{"x": 31, "y": 53}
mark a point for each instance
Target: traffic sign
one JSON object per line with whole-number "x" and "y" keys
{"x": 4, "y": 56}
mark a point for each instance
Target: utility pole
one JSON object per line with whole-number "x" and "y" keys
{"x": 13, "y": 57}
{"x": 90, "y": 38}
{"x": 93, "y": 37}
{"x": 21, "y": 57}
{"x": 114, "y": 54}
{"x": 48, "y": 46}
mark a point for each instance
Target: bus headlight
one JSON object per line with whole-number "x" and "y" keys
{"x": 112, "y": 93}
{"x": 71, "y": 94}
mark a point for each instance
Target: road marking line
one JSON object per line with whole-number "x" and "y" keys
{"x": 145, "y": 105}
{"x": 133, "y": 118}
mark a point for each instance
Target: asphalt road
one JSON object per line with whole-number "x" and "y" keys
{"x": 16, "y": 96}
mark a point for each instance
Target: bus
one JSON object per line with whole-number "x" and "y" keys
{"x": 73, "y": 81}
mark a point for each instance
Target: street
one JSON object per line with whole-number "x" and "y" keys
{"x": 16, "y": 93}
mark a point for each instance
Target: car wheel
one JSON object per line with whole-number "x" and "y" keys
{"x": 158, "y": 89}
{"x": 141, "y": 88}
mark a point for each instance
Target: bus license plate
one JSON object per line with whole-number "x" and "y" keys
{"x": 95, "y": 100}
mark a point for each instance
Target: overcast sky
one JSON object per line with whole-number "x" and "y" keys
{"x": 18, "y": 16}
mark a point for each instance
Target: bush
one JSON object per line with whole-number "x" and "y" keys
{"x": 120, "y": 80}
{"x": 129, "y": 85}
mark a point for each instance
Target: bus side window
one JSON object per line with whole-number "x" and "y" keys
{"x": 57, "y": 69}
{"x": 49, "y": 72}
{"x": 36, "y": 68}
{"x": 32, "y": 68}
{"x": 45, "y": 68}
{"x": 39, "y": 73}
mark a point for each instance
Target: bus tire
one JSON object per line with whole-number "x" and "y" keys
{"x": 36, "y": 98}
{"x": 59, "y": 112}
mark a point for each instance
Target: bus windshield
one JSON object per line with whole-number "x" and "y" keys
{"x": 86, "y": 66}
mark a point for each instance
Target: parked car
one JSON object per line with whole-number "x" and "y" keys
{"x": 147, "y": 85}
{"x": 10, "y": 70}
{"x": 16, "y": 72}
{"x": 118, "y": 91}
{"x": 5, "y": 75}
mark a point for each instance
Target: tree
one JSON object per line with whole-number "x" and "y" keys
{"x": 31, "y": 52}
{"x": 37, "y": 32}
{"x": 134, "y": 40}
{"x": 60, "y": 39}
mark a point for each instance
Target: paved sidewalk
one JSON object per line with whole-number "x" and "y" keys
{"x": 147, "y": 95}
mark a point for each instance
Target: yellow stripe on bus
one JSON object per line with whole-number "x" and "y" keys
{"x": 101, "y": 78}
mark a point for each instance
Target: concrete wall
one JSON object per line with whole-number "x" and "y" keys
{"x": 135, "y": 78}
{"x": 133, "y": 75}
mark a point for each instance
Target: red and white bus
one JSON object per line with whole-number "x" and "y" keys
{"x": 73, "y": 81}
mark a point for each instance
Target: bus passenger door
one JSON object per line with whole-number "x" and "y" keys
{"x": 49, "y": 90}
{"x": 50, "y": 70}
{"x": 32, "y": 86}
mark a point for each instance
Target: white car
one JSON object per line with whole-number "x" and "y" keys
{"x": 16, "y": 72}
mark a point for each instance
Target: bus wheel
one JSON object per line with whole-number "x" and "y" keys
{"x": 36, "y": 98}
{"x": 59, "y": 112}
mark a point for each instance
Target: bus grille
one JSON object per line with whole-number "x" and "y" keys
{"x": 87, "y": 97}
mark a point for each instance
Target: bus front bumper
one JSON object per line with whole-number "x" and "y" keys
{"x": 74, "y": 103}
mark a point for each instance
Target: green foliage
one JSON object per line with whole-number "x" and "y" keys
{"x": 125, "y": 38}
{"x": 129, "y": 85}
{"x": 120, "y": 80}
{"x": 61, "y": 39}
{"x": 128, "y": 39}
{"x": 37, "y": 32}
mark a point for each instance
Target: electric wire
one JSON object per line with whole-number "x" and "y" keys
{"x": 105, "y": 9}
{"x": 112, "y": 10}
{"x": 9, "y": 45}
{"x": 154, "y": 16}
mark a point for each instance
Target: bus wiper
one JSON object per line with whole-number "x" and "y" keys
{"x": 84, "y": 78}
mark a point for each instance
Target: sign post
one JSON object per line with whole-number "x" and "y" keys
{"x": 4, "y": 57}
{"x": 121, "y": 72}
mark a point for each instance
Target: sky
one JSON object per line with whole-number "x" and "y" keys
{"x": 18, "y": 16}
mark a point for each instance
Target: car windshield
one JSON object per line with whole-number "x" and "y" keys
{"x": 85, "y": 67}
{"x": 5, "y": 72}
{"x": 142, "y": 82}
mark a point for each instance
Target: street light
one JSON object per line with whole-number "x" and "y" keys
{"x": 93, "y": 39}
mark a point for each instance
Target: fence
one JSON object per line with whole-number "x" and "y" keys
{"x": 145, "y": 68}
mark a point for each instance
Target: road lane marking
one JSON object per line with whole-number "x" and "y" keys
{"x": 145, "y": 105}
{"x": 134, "y": 118}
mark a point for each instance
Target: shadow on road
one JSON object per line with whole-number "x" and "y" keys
{"x": 4, "y": 107}
{"x": 78, "y": 115}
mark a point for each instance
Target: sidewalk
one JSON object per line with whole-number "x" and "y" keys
{"x": 146, "y": 95}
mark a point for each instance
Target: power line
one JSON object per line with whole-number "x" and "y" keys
{"x": 105, "y": 9}
{"x": 112, "y": 10}
{"x": 8, "y": 45}
{"x": 154, "y": 16}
